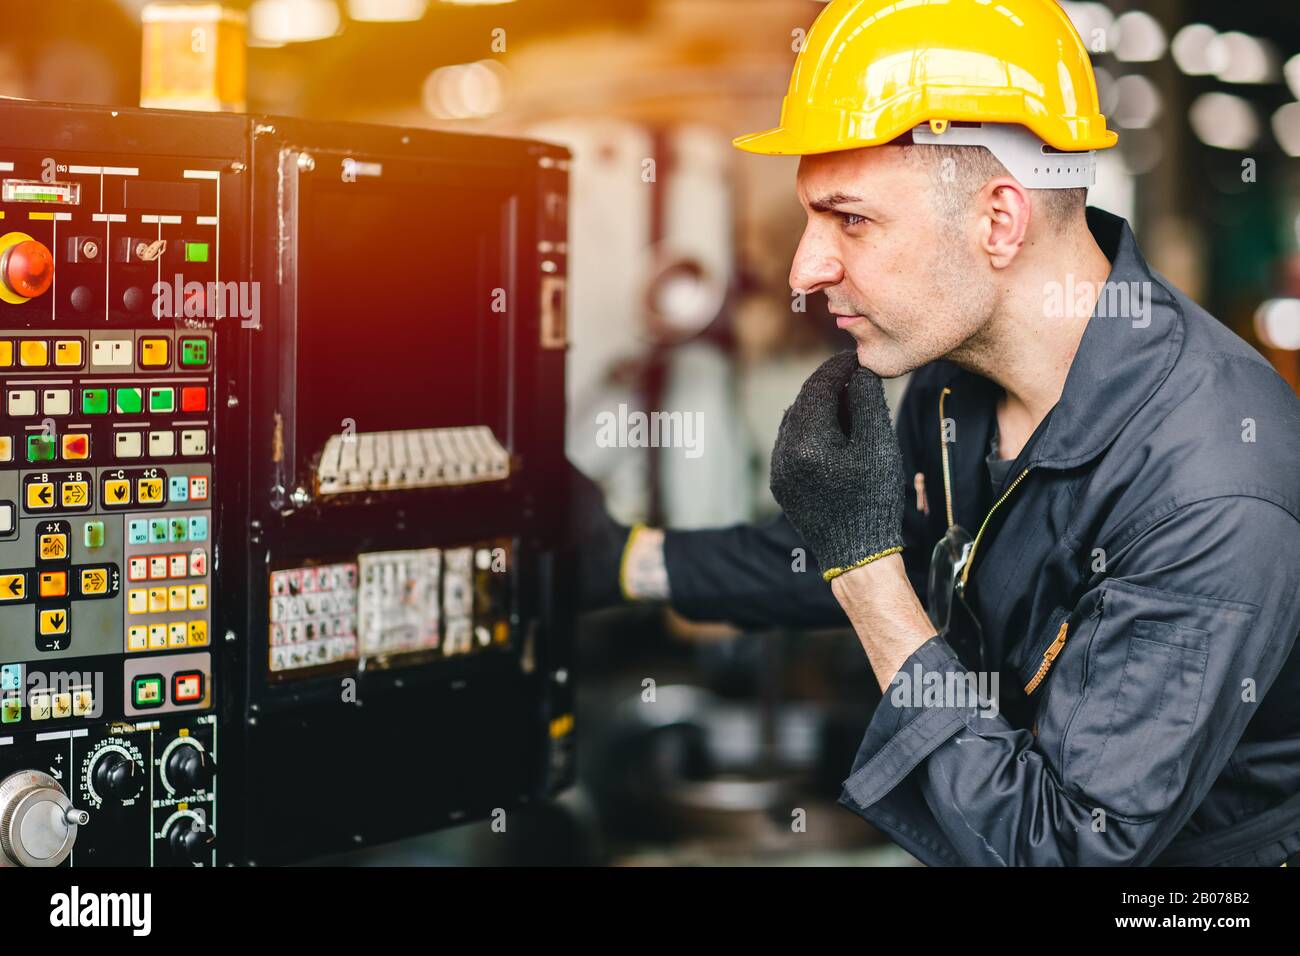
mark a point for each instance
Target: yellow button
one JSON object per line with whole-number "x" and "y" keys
{"x": 137, "y": 638}
{"x": 53, "y": 547}
{"x": 157, "y": 599}
{"x": 6, "y": 353}
{"x": 157, "y": 637}
{"x": 150, "y": 490}
{"x": 34, "y": 353}
{"x": 176, "y": 634}
{"x": 153, "y": 352}
{"x": 6, "y": 448}
{"x": 137, "y": 601}
{"x": 40, "y": 496}
{"x": 54, "y": 621}
{"x": 40, "y": 706}
{"x": 198, "y": 597}
{"x": 198, "y": 632}
{"x": 62, "y": 705}
{"x": 75, "y": 494}
{"x": 54, "y": 583}
{"x": 117, "y": 492}
{"x": 83, "y": 702}
{"x": 177, "y": 597}
{"x": 94, "y": 581}
{"x": 13, "y": 587}
{"x": 67, "y": 353}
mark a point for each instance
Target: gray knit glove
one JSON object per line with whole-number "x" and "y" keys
{"x": 842, "y": 492}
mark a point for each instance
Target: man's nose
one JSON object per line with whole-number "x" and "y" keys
{"x": 814, "y": 267}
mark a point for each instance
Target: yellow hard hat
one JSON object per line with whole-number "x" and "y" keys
{"x": 871, "y": 70}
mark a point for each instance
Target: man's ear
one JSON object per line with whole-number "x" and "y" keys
{"x": 1004, "y": 220}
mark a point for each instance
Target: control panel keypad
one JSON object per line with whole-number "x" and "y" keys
{"x": 313, "y": 616}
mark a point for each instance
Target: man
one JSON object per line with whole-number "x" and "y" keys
{"x": 1109, "y": 474}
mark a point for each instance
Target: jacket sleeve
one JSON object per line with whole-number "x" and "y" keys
{"x": 1163, "y": 665}
{"x": 759, "y": 575}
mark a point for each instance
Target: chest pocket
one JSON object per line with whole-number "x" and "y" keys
{"x": 1129, "y": 698}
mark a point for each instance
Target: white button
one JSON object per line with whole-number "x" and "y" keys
{"x": 22, "y": 402}
{"x": 194, "y": 442}
{"x": 162, "y": 444}
{"x": 176, "y": 565}
{"x": 157, "y": 636}
{"x": 128, "y": 444}
{"x": 6, "y": 518}
{"x": 158, "y": 567}
{"x": 111, "y": 352}
{"x": 138, "y": 569}
{"x": 198, "y": 597}
{"x": 58, "y": 401}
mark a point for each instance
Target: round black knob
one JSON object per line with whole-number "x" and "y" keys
{"x": 83, "y": 298}
{"x": 190, "y": 769}
{"x": 134, "y": 299}
{"x": 190, "y": 841}
{"x": 117, "y": 775}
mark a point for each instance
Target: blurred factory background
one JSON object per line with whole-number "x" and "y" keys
{"x": 680, "y": 248}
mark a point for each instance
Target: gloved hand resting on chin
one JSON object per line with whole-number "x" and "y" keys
{"x": 842, "y": 492}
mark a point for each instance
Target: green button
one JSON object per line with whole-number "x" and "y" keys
{"x": 157, "y": 530}
{"x": 196, "y": 252}
{"x": 94, "y": 401}
{"x": 94, "y": 534}
{"x": 162, "y": 399}
{"x": 128, "y": 401}
{"x": 194, "y": 351}
{"x": 40, "y": 448}
{"x": 11, "y": 710}
{"x": 178, "y": 529}
{"x": 147, "y": 691}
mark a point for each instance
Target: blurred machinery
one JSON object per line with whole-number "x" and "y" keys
{"x": 282, "y": 403}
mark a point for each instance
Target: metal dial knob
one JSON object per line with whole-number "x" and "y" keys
{"x": 38, "y": 823}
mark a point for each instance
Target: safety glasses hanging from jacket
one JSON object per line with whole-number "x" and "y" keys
{"x": 945, "y": 586}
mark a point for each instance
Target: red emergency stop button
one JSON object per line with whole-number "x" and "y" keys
{"x": 26, "y": 267}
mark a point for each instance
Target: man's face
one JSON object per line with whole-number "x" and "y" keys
{"x": 903, "y": 279}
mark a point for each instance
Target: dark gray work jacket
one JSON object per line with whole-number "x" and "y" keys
{"x": 1137, "y": 582}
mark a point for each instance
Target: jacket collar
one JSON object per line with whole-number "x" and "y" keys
{"x": 1128, "y": 348}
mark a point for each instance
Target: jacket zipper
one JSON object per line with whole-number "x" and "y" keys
{"x": 1049, "y": 656}
{"x": 970, "y": 559}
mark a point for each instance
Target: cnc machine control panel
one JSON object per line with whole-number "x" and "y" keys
{"x": 110, "y": 297}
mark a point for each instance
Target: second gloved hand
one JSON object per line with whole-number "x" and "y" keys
{"x": 842, "y": 488}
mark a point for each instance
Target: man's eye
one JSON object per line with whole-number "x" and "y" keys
{"x": 848, "y": 219}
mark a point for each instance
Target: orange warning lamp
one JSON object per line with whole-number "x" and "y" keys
{"x": 26, "y": 268}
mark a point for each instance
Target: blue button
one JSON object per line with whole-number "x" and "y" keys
{"x": 199, "y": 528}
{"x": 176, "y": 529}
{"x": 157, "y": 530}
{"x": 11, "y": 677}
{"x": 178, "y": 488}
{"x": 137, "y": 532}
